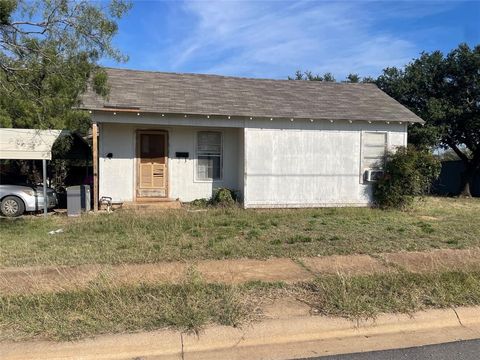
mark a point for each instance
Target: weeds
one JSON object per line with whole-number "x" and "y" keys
{"x": 361, "y": 297}
{"x": 193, "y": 304}
{"x": 233, "y": 232}
{"x": 102, "y": 308}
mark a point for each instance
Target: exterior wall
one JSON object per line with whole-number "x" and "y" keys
{"x": 241, "y": 163}
{"x": 276, "y": 163}
{"x": 304, "y": 164}
{"x": 117, "y": 175}
{"x": 182, "y": 179}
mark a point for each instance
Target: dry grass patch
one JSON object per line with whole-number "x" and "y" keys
{"x": 129, "y": 237}
{"x": 103, "y": 308}
{"x": 193, "y": 304}
{"x": 363, "y": 297}
{"x": 437, "y": 260}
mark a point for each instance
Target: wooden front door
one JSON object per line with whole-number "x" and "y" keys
{"x": 152, "y": 156}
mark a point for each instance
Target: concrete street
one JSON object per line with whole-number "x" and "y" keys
{"x": 459, "y": 350}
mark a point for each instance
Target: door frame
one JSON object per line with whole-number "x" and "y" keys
{"x": 138, "y": 133}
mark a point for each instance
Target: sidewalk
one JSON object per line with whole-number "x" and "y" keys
{"x": 281, "y": 337}
{"x": 59, "y": 278}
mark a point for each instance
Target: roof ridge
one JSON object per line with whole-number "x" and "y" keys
{"x": 328, "y": 83}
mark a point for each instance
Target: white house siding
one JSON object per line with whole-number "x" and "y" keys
{"x": 183, "y": 184}
{"x": 241, "y": 162}
{"x": 117, "y": 175}
{"x": 276, "y": 163}
{"x": 309, "y": 164}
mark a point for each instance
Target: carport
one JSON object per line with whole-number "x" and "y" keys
{"x": 30, "y": 144}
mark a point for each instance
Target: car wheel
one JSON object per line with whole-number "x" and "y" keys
{"x": 12, "y": 206}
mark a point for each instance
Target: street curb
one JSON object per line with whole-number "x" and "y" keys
{"x": 273, "y": 339}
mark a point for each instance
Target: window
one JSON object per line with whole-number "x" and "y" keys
{"x": 374, "y": 148}
{"x": 209, "y": 155}
{"x": 152, "y": 146}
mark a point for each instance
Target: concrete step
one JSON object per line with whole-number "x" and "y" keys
{"x": 152, "y": 205}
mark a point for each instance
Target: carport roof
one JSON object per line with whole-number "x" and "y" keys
{"x": 27, "y": 144}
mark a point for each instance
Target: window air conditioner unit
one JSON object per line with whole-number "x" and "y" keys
{"x": 372, "y": 175}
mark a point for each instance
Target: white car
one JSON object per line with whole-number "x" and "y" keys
{"x": 16, "y": 199}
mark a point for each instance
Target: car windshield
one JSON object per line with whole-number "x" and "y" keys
{"x": 7, "y": 179}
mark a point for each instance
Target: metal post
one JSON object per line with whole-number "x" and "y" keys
{"x": 95, "y": 165}
{"x": 45, "y": 199}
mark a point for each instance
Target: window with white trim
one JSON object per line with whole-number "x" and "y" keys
{"x": 374, "y": 150}
{"x": 209, "y": 155}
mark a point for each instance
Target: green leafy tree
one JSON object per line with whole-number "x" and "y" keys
{"x": 329, "y": 77}
{"x": 308, "y": 75}
{"x": 49, "y": 52}
{"x": 445, "y": 92}
{"x": 353, "y": 78}
{"x": 368, "y": 79}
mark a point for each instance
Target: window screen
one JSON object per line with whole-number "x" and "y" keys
{"x": 152, "y": 146}
{"x": 374, "y": 148}
{"x": 209, "y": 155}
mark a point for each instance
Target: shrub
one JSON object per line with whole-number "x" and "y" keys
{"x": 199, "y": 203}
{"x": 223, "y": 197}
{"x": 408, "y": 173}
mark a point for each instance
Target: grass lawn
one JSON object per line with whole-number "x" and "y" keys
{"x": 236, "y": 233}
{"x": 191, "y": 305}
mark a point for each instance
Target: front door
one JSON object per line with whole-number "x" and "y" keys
{"x": 152, "y": 162}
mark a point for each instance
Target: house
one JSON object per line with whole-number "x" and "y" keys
{"x": 279, "y": 143}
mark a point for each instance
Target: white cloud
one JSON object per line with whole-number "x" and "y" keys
{"x": 274, "y": 38}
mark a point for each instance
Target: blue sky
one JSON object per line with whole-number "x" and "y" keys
{"x": 272, "y": 39}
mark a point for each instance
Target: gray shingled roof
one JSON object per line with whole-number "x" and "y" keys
{"x": 172, "y": 93}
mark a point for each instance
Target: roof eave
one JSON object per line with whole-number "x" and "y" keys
{"x": 260, "y": 116}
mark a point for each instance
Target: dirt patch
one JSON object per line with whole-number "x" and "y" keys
{"x": 429, "y": 218}
{"x": 172, "y": 272}
{"x": 46, "y": 278}
{"x": 344, "y": 264}
{"x": 53, "y": 279}
{"x": 222, "y": 271}
{"x": 435, "y": 260}
{"x": 285, "y": 308}
{"x": 243, "y": 270}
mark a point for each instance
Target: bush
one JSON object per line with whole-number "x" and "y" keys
{"x": 223, "y": 197}
{"x": 199, "y": 203}
{"x": 408, "y": 173}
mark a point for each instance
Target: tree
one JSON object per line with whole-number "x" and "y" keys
{"x": 329, "y": 77}
{"x": 48, "y": 56}
{"x": 445, "y": 92}
{"x": 353, "y": 78}
{"x": 308, "y": 75}
{"x": 449, "y": 155}
{"x": 368, "y": 80}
